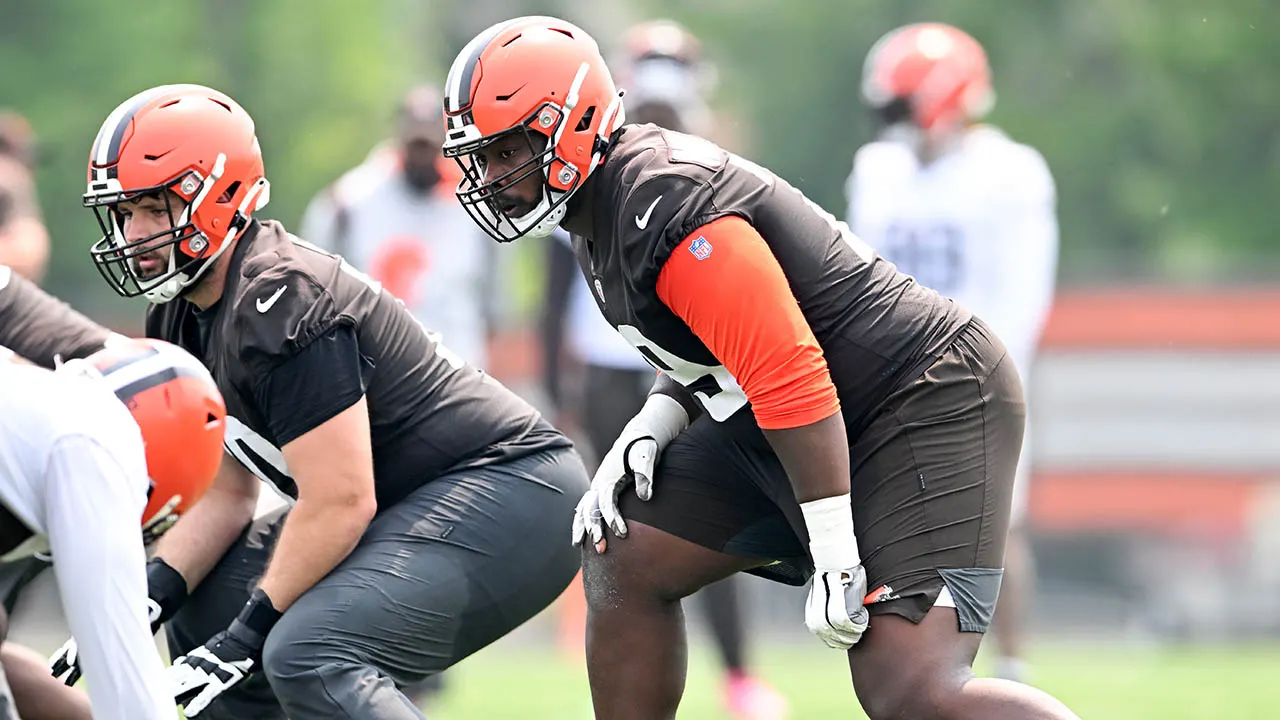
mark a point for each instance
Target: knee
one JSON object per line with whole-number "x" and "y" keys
{"x": 922, "y": 695}
{"x": 600, "y": 580}
{"x": 623, "y": 574}
{"x": 287, "y": 656}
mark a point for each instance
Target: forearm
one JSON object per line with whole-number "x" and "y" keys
{"x": 94, "y": 536}
{"x": 316, "y": 536}
{"x": 816, "y": 457}
{"x": 204, "y": 533}
{"x": 37, "y": 326}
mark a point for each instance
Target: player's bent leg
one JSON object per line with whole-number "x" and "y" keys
{"x": 32, "y": 693}
{"x": 216, "y": 601}
{"x": 636, "y": 653}
{"x": 459, "y": 563}
{"x": 908, "y": 671}
{"x": 717, "y": 509}
{"x": 932, "y": 497}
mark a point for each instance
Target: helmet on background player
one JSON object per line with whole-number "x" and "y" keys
{"x": 194, "y": 141}
{"x": 929, "y": 75}
{"x": 180, "y": 412}
{"x": 665, "y": 77}
{"x": 543, "y": 79}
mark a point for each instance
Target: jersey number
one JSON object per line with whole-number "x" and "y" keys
{"x": 934, "y": 255}
{"x": 714, "y": 386}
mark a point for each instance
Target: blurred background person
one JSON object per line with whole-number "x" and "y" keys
{"x": 396, "y": 218}
{"x": 969, "y": 212}
{"x": 667, "y": 83}
{"x": 24, "y": 242}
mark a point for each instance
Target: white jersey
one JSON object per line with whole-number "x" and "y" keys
{"x": 424, "y": 249}
{"x": 978, "y": 225}
{"x": 73, "y": 470}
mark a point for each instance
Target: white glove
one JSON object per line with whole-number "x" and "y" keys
{"x": 834, "y": 610}
{"x": 631, "y": 459}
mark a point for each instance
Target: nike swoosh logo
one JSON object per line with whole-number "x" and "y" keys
{"x": 265, "y": 304}
{"x": 642, "y": 222}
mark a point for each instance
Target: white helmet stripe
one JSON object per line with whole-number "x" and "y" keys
{"x": 149, "y": 369}
{"x": 106, "y": 146}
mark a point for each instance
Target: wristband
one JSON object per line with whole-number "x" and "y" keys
{"x": 166, "y": 587}
{"x": 257, "y": 617}
{"x": 832, "y": 542}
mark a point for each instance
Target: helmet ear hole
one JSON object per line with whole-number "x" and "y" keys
{"x": 585, "y": 123}
{"x": 229, "y": 193}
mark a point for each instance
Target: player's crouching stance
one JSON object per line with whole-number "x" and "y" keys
{"x": 428, "y": 500}
{"x": 850, "y": 426}
{"x": 131, "y": 432}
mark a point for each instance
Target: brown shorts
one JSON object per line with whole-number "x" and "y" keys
{"x": 932, "y": 484}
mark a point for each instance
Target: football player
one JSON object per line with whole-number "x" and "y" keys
{"x": 968, "y": 212}
{"x": 667, "y": 79}
{"x": 425, "y": 499}
{"x": 132, "y": 433}
{"x": 813, "y": 405}
{"x": 39, "y": 328}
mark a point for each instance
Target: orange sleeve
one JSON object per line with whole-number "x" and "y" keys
{"x": 726, "y": 285}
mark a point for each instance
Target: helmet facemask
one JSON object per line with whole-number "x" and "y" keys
{"x": 480, "y": 196}
{"x": 191, "y": 249}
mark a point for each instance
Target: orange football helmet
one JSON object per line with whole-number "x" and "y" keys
{"x": 189, "y": 139}
{"x": 181, "y": 415}
{"x": 543, "y": 78}
{"x": 932, "y": 74}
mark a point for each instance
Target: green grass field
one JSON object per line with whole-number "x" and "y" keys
{"x": 1098, "y": 681}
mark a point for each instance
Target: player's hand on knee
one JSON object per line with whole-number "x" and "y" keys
{"x": 632, "y": 459}
{"x": 226, "y": 660}
{"x": 834, "y": 611}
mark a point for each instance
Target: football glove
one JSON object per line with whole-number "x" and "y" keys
{"x": 631, "y": 460}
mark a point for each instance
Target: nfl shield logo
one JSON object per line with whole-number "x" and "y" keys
{"x": 700, "y": 248}
{"x": 599, "y": 289}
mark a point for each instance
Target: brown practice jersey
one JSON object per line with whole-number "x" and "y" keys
{"x": 38, "y": 326}
{"x": 657, "y": 204}
{"x": 299, "y": 336}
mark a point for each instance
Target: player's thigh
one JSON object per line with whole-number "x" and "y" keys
{"x": 457, "y": 564}
{"x": 216, "y": 601}
{"x": 720, "y": 486}
{"x": 933, "y": 482}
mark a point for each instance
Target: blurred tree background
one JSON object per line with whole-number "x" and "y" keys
{"x": 1159, "y": 118}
